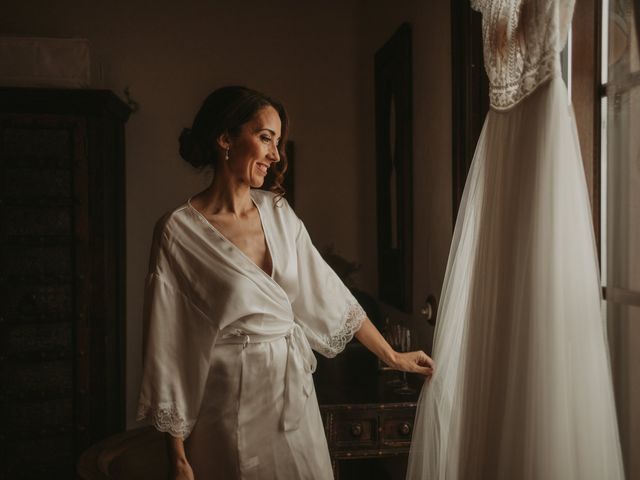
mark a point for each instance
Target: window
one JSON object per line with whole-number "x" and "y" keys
{"x": 620, "y": 213}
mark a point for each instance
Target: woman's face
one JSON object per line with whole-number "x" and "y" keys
{"x": 255, "y": 148}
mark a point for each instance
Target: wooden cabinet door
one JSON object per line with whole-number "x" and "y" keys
{"x": 61, "y": 348}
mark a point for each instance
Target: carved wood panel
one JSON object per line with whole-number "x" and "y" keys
{"x": 56, "y": 277}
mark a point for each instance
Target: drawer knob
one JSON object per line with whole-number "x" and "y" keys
{"x": 356, "y": 429}
{"x": 404, "y": 428}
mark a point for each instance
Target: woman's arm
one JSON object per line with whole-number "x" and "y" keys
{"x": 416, "y": 362}
{"x": 179, "y": 468}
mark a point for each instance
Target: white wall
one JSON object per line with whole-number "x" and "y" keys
{"x": 317, "y": 57}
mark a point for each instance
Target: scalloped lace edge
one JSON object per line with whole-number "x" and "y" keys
{"x": 165, "y": 417}
{"x": 505, "y": 97}
{"x": 353, "y": 318}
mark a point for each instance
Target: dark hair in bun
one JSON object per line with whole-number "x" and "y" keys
{"x": 225, "y": 111}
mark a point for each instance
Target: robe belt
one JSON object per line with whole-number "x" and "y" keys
{"x": 301, "y": 363}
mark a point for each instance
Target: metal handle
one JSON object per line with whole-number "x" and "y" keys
{"x": 430, "y": 309}
{"x": 404, "y": 428}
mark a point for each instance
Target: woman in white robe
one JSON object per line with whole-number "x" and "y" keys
{"x": 236, "y": 298}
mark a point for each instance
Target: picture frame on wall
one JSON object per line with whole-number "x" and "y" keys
{"x": 394, "y": 189}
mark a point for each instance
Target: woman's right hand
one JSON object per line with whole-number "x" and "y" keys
{"x": 181, "y": 470}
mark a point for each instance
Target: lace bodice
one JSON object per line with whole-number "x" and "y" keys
{"x": 522, "y": 41}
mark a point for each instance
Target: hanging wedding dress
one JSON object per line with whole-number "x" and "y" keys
{"x": 522, "y": 388}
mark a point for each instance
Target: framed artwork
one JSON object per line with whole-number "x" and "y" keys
{"x": 394, "y": 190}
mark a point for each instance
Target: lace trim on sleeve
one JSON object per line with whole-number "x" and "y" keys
{"x": 166, "y": 418}
{"x": 353, "y": 318}
{"x": 521, "y": 47}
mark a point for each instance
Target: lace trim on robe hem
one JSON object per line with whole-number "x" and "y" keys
{"x": 353, "y": 318}
{"x": 166, "y": 418}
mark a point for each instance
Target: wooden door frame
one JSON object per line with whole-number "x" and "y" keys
{"x": 470, "y": 93}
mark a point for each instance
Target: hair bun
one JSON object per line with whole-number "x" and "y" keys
{"x": 186, "y": 143}
{"x": 189, "y": 149}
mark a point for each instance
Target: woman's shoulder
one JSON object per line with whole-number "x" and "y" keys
{"x": 173, "y": 221}
{"x": 278, "y": 209}
{"x": 271, "y": 201}
{"x": 263, "y": 197}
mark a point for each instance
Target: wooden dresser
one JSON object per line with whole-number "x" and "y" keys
{"x": 368, "y": 426}
{"x": 62, "y": 277}
{"x": 368, "y": 431}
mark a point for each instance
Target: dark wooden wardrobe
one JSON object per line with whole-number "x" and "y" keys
{"x": 62, "y": 277}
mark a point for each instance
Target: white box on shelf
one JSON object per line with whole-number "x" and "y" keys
{"x": 44, "y": 62}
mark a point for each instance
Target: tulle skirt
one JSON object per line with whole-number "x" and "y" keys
{"x": 523, "y": 386}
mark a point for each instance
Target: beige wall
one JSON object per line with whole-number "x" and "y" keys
{"x": 317, "y": 57}
{"x": 432, "y": 224}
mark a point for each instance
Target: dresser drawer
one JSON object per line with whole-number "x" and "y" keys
{"x": 397, "y": 429}
{"x": 354, "y": 430}
{"x": 365, "y": 430}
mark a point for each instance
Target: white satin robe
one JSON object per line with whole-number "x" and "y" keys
{"x": 228, "y": 360}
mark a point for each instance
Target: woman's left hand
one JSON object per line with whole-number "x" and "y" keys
{"x": 413, "y": 362}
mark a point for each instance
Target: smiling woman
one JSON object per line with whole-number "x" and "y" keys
{"x": 236, "y": 298}
{"x": 255, "y": 124}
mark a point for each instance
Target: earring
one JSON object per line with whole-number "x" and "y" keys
{"x": 226, "y": 154}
